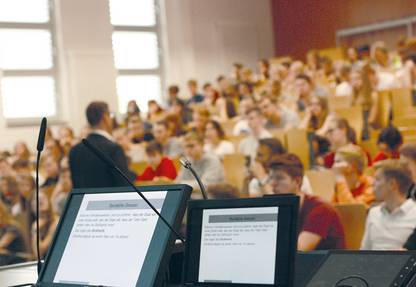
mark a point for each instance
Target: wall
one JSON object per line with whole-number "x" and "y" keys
{"x": 204, "y": 37}
{"x": 201, "y": 39}
{"x": 302, "y": 25}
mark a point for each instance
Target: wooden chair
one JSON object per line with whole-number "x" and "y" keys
{"x": 370, "y": 146}
{"x": 402, "y": 104}
{"x": 280, "y": 134}
{"x": 177, "y": 163}
{"x": 383, "y": 108}
{"x": 408, "y": 121}
{"x": 228, "y": 127}
{"x": 332, "y": 53}
{"x": 297, "y": 143}
{"x": 322, "y": 183}
{"x": 235, "y": 140}
{"x": 354, "y": 116}
{"x": 138, "y": 167}
{"x": 353, "y": 217}
{"x": 235, "y": 167}
{"x": 335, "y": 103}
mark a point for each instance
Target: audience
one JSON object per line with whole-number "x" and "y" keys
{"x": 389, "y": 142}
{"x": 390, "y": 224}
{"x": 256, "y": 122}
{"x": 319, "y": 225}
{"x": 48, "y": 220}
{"x": 254, "y": 108}
{"x": 215, "y": 140}
{"x": 278, "y": 117}
{"x": 172, "y": 146}
{"x": 160, "y": 167}
{"x": 408, "y": 154}
{"x": 196, "y": 98}
{"x": 352, "y": 186}
{"x": 207, "y": 166}
{"x": 258, "y": 174}
{"x": 11, "y": 235}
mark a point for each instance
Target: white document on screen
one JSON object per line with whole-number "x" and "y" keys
{"x": 109, "y": 240}
{"x": 238, "y": 245}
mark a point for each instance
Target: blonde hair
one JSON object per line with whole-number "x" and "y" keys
{"x": 355, "y": 156}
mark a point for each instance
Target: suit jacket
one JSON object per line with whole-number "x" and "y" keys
{"x": 87, "y": 170}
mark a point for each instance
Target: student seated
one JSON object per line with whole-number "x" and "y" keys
{"x": 352, "y": 186}
{"x": 160, "y": 167}
{"x": 11, "y": 238}
{"x": 319, "y": 225}
{"x": 207, "y": 166}
{"x": 388, "y": 142}
{"x": 390, "y": 224}
{"x": 408, "y": 154}
{"x": 215, "y": 141}
{"x": 48, "y": 221}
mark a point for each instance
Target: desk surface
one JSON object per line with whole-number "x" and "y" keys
{"x": 18, "y": 274}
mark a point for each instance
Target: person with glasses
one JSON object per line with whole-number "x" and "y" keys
{"x": 206, "y": 165}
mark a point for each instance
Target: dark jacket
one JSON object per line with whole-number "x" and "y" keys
{"x": 87, "y": 170}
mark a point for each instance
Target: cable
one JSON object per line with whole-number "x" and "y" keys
{"x": 351, "y": 277}
{"x": 37, "y": 215}
{"x": 22, "y": 285}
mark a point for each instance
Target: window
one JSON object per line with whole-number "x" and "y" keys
{"x": 136, "y": 48}
{"x": 27, "y": 60}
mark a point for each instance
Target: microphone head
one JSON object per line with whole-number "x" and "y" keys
{"x": 42, "y": 133}
{"x": 185, "y": 162}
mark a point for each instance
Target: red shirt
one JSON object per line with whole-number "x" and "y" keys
{"x": 382, "y": 156}
{"x": 329, "y": 159}
{"x": 322, "y": 219}
{"x": 166, "y": 168}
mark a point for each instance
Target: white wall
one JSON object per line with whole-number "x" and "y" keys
{"x": 202, "y": 38}
{"x": 205, "y": 37}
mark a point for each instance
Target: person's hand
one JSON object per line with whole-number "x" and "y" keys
{"x": 258, "y": 170}
{"x": 308, "y": 112}
{"x": 340, "y": 168}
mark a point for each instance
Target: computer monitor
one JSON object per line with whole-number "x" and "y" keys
{"x": 111, "y": 237}
{"x": 241, "y": 242}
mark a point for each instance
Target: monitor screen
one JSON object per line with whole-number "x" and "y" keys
{"x": 241, "y": 242}
{"x": 107, "y": 234}
{"x": 235, "y": 237}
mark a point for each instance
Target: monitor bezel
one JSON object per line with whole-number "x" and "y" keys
{"x": 192, "y": 248}
{"x": 185, "y": 190}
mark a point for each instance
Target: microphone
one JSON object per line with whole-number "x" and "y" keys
{"x": 42, "y": 133}
{"x": 111, "y": 164}
{"x": 41, "y": 143}
{"x": 187, "y": 164}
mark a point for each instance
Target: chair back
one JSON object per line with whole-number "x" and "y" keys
{"x": 322, "y": 183}
{"x": 234, "y": 168}
{"x": 353, "y": 217}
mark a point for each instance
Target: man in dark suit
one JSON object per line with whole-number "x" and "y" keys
{"x": 87, "y": 170}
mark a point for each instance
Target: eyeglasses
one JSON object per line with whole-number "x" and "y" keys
{"x": 189, "y": 145}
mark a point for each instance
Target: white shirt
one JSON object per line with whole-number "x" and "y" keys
{"x": 344, "y": 89}
{"x": 103, "y": 133}
{"x": 241, "y": 127}
{"x": 248, "y": 146}
{"x": 387, "y": 231}
{"x": 223, "y": 148}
